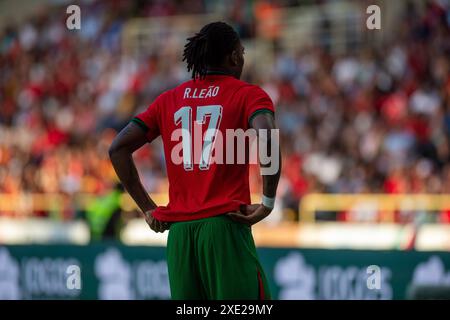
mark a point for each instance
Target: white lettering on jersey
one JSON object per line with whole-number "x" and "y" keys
{"x": 212, "y": 91}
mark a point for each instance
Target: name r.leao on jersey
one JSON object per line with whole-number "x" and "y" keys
{"x": 211, "y": 91}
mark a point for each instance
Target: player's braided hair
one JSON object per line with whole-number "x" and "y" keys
{"x": 209, "y": 47}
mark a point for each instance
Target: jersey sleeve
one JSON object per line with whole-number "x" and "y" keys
{"x": 148, "y": 120}
{"x": 257, "y": 101}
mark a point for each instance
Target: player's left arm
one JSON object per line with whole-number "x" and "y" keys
{"x": 130, "y": 139}
{"x": 252, "y": 214}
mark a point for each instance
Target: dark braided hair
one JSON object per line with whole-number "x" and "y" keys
{"x": 209, "y": 47}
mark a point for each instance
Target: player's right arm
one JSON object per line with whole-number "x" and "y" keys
{"x": 130, "y": 139}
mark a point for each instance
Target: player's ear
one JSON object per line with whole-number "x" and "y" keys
{"x": 234, "y": 57}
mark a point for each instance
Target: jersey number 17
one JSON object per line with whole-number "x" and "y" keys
{"x": 184, "y": 115}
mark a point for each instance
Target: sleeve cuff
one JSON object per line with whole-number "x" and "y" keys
{"x": 140, "y": 123}
{"x": 259, "y": 111}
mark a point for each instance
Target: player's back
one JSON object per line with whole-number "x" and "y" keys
{"x": 196, "y": 121}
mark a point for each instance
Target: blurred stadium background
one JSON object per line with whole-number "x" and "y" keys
{"x": 365, "y": 124}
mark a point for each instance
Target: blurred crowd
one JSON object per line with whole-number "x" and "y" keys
{"x": 373, "y": 120}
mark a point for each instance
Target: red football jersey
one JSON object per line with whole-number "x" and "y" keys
{"x": 198, "y": 187}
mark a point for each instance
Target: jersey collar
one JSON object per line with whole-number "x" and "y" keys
{"x": 217, "y": 72}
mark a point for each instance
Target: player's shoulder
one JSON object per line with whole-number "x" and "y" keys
{"x": 179, "y": 89}
{"x": 241, "y": 83}
{"x": 174, "y": 92}
{"x": 251, "y": 91}
{"x": 166, "y": 93}
{"x": 166, "y": 96}
{"x": 245, "y": 88}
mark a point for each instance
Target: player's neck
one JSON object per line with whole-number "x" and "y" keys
{"x": 220, "y": 71}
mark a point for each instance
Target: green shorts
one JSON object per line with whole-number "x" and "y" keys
{"x": 214, "y": 258}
